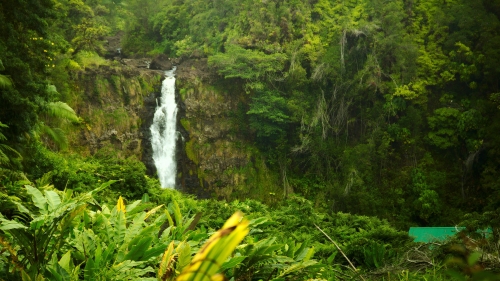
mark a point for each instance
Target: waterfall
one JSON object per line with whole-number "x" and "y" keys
{"x": 164, "y": 133}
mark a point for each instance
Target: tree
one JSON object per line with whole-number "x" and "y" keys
{"x": 251, "y": 65}
{"x": 268, "y": 114}
{"x": 89, "y": 32}
{"x": 24, "y": 46}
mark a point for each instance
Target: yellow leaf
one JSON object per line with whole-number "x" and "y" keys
{"x": 218, "y": 277}
{"x": 166, "y": 268}
{"x": 216, "y": 250}
{"x": 152, "y": 211}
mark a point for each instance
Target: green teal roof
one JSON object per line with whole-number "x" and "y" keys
{"x": 430, "y": 234}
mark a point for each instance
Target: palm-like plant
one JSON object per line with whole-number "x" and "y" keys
{"x": 117, "y": 244}
{"x": 125, "y": 243}
{"x": 39, "y": 229}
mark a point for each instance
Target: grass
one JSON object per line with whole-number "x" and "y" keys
{"x": 87, "y": 59}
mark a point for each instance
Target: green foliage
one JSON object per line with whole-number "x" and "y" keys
{"x": 268, "y": 114}
{"x": 88, "y": 33}
{"x": 62, "y": 110}
{"x": 375, "y": 255}
{"x": 40, "y": 227}
{"x": 374, "y": 107}
{"x": 444, "y": 124}
{"x": 90, "y": 59}
{"x": 25, "y": 48}
{"x": 247, "y": 64}
{"x": 85, "y": 174}
{"x": 121, "y": 242}
{"x": 427, "y": 203}
{"x": 5, "y": 81}
{"x": 8, "y": 155}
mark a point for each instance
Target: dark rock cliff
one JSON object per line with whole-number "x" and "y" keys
{"x": 213, "y": 158}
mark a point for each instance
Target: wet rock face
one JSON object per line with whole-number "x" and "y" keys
{"x": 113, "y": 46}
{"x": 161, "y": 62}
{"x": 213, "y": 162}
{"x": 147, "y": 115}
{"x": 110, "y": 99}
{"x": 119, "y": 141}
{"x": 118, "y": 104}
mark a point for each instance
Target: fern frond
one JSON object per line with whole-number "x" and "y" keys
{"x": 5, "y": 81}
{"x": 4, "y": 159}
{"x": 57, "y": 135}
{"x": 51, "y": 89}
{"x": 12, "y": 175}
{"x": 5, "y": 149}
{"x": 62, "y": 110}
{"x": 166, "y": 269}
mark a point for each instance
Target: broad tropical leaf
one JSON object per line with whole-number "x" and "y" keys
{"x": 9, "y": 224}
{"x": 233, "y": 262}
{"x": 38, "y": 199}
{"x": 208, "y": 260}
{"x": 53, "y": 199}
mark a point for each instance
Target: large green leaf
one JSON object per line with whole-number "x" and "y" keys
{"x": 177, "y": 214}
{"x": 59, "y": 273}
{"x": 232, "y": 262}
{"x": 138, "y": 250}
{"x": 90, "y": 270}
{"x": 184, "y": 259}
{"x": 53, "y": 199}
{"x": 135, "y": 227}
{"x": 130, "y": 207}
{"x": 107, "y": 255}
{"x": 21, "y": 208}
{"x": 38, "y": 199}
{"x": 66, "y": 263}
{"x": 153, "y": 252}
{"x": 9, "y": 224}
{"x": 119, "y": 222}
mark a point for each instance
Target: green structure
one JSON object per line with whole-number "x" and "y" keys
{"x": 430, "y": 234}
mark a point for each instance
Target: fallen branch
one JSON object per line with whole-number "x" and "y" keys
{"x": 340, "y": 250}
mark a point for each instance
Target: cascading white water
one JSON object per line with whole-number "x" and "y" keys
{"x": 164, "y": 132}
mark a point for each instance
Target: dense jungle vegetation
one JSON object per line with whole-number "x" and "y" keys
{"x": 374, "y": 115}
